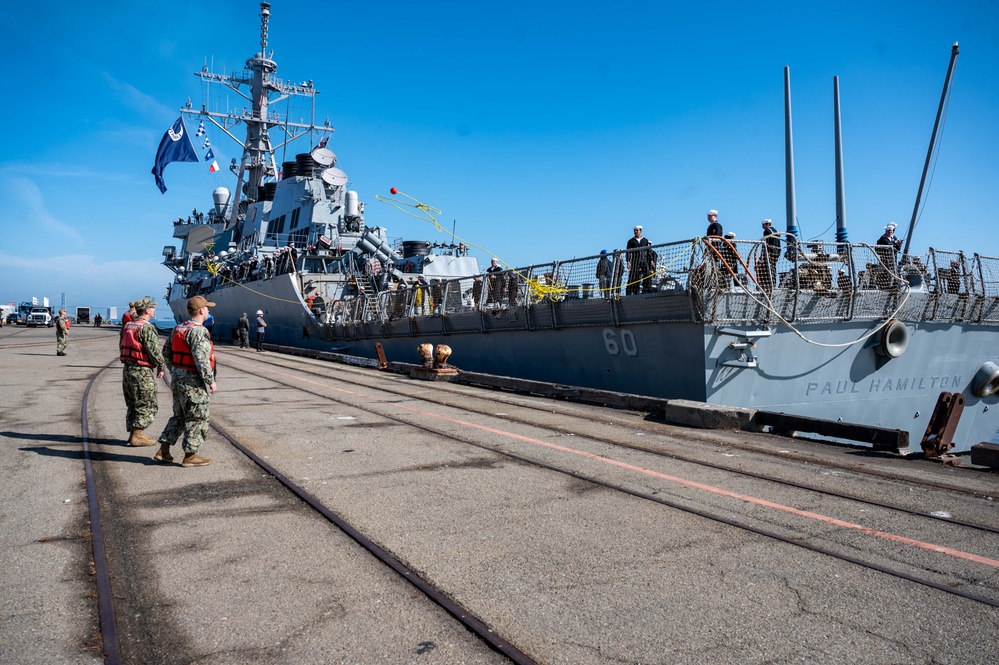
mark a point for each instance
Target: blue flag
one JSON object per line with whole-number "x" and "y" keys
{"x": 174, "y": 147}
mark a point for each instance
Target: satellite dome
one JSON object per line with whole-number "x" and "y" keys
{"x": 221, "y": 198}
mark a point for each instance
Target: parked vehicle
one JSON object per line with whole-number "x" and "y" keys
{"x": 40, "y": 316}
{"x": 23, "y": 310}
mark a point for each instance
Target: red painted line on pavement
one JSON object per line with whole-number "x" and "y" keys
{"x": 940, "y": 549}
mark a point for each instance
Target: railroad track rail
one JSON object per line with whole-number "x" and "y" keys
{"x": 105, "y": 603}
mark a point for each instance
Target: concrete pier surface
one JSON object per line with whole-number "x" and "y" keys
{"x": 533, "y": 514}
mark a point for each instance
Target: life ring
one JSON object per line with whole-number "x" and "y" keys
{"x": 986, "y": 381}
{"x": 894, "y": 339}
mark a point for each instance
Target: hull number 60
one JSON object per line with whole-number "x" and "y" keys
{"x": 616, "y": 341}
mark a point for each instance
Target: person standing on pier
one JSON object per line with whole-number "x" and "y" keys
{"x": 190, "y": 354}
{"x": 62, "y": 333}
{"x": 261, "y": 328}
{"x": 143, "y": 364}
{"x": 243, "y": 327}
{"x": 129, "y": 315}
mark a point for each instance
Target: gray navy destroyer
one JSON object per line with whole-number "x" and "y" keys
{"x": 839, "y": 331}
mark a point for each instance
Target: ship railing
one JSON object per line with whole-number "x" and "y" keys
{"x": 558, "y": 294}
{"x": 697, "y": 280}
{"x": 828, "y": 281}
{"x": 243, "y": 76}
{"x": 278, "y": 240}
{"x": 980, "y": 281}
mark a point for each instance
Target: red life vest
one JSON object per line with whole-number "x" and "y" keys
{"x": 132, "y": 350}
{"x": 182, "y": 357}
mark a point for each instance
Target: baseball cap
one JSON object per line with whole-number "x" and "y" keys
{"x": 196, "y": 303}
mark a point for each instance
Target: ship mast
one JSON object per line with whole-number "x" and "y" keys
{"x": 841, "y": 234}
{"x": 256, "y": 84}
{"x": 954, "y": 52}
{"x": 789, "y": 192}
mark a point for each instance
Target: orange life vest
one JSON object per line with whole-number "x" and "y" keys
{"x": 132, "y": 350}
{"x": 182, "y": 357}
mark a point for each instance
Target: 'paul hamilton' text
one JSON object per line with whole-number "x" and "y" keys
{"x": 882, "y": 385}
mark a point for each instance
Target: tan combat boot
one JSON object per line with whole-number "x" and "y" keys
{"x": 138, "y": 438}
{"x": 192, "y": 459}
{"x": 163, "y": 454}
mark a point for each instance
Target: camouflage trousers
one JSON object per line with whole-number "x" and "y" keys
{"x": 138, "y": 384}
{"x": 190, "y": 411}
{"x": 62, "y": 341}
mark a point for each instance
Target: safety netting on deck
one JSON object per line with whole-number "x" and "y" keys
{"x": 706, "y": 280}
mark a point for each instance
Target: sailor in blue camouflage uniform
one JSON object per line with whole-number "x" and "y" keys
{"x": 190, "y": 354}
{"x": 143, "y": 364}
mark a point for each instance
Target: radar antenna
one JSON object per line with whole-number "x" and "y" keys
{"x": 255, "y": 84}
{"x": 265, "y": 16}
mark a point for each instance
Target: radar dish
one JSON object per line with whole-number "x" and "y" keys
{"x": 198, "y": 236}
{"x": 334, "y": 177}
{"x": 323, "y": 156}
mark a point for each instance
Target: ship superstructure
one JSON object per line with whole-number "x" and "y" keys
{"x": 288, "y": 220}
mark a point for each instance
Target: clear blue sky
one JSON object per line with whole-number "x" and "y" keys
{"x": 546, "y": 129}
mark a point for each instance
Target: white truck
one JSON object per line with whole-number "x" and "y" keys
{"x": 40, "y": 316}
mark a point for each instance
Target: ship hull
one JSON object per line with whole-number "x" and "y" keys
{"x": 745, "y": 365}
